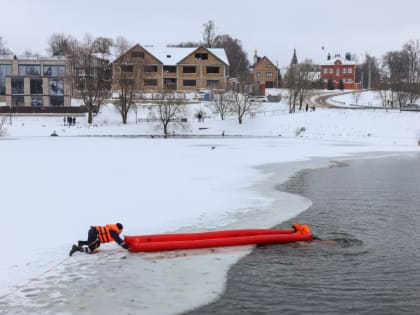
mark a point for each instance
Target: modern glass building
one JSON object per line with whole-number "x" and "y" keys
{"x": 34, "y": 81}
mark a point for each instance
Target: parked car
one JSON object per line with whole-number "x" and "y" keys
{"x": 410, "y": 106}
{"x": 258, "y": 99}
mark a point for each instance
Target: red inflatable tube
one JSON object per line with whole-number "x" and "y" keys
{"x": 165, "y": 242}
{"x": 202, "y": 235}
{"x": 218, "y": 242}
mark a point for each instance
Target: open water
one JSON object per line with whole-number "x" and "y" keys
{"x": 368, "y": 214}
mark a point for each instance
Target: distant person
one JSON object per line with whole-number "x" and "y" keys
{"x": 64, "y": 119}
{"x": 74, "y": 121}
{"x": 307, "y": 107}
{"x": 69, "y": 120}
{"x": 98, "y": 235}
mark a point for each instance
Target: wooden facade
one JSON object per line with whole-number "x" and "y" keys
{"x": 181, "y": 69}
{"x": 265, "y": 72}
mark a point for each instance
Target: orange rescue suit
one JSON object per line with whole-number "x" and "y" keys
{"x": 104, "y": 234}
{"x": 302, "y": 228}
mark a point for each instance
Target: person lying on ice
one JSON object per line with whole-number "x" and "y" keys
{"x": 98, "y": 235}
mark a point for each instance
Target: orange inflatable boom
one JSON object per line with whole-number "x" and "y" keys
{"x": 179, "y": 241}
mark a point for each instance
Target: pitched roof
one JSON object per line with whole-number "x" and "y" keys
{"x": 332, "y": 61}
{"x": 261, "y": 59}
{"x": 171, "y": 56}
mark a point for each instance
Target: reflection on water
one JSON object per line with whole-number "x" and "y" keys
{"x": 367, "y": 261}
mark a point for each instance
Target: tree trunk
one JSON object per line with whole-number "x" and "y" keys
{"x": 90, "y": 116}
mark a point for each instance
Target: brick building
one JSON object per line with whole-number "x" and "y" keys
{"x": 266, "y": 73}
{"x": 34, "y": 81}
{"x": 172, "y": 68}
{"x": 338, "y": 69}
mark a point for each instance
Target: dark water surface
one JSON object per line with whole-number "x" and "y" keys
{"x": 371, "y": 210}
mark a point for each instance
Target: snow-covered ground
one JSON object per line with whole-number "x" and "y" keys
{"x": 54, "y": 188}
{"x": 358, "y": 98}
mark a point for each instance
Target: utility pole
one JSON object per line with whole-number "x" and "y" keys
{"x": 369, "y": 74}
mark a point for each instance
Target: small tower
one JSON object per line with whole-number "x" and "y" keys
{"x": 294, "y": 58}
{"x": 256, "y": 58}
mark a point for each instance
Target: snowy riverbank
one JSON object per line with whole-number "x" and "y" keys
{"x": 55, "y": 187}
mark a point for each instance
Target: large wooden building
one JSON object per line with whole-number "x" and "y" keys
{"x": 338, "y": 69}
{"x": 34, "y": 81}
{"x": 172, "y": 68}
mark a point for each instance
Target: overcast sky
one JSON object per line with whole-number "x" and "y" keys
{"x": 273, "y": 27}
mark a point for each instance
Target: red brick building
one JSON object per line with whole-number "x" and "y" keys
{"x": 338, "y": 69}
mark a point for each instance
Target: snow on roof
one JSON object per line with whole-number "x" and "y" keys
{"x": 20, "y": 57}
{"x": 333, "y": 60}
{"x": 171, "y": 56}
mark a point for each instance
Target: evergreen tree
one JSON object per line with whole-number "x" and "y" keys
{"x": 341, "y": 85}
{"x": 330, "y": 84}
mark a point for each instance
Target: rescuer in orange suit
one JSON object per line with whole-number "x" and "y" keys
{"x": 98, "y": 235}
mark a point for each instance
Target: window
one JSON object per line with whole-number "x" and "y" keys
{"x": 344, "y": 70}
{"x": 36, "y": 86}
{"x": 170, "y": 83}
{"x": 325, "y": 70}
{"x": 56, "y": 87}
{"x": 4, "y": 71}
{"x": 54, "y": 71}
{"x": 350, "y": 81}
{"x": 18, "y": 100}
{"x": 150, "y": 68}
{"x": 25, "y": 70}
{"x": 56, "y": 100}
{"x": 189, "y": 83}
{"x": 213, "y": 84}
{"x": 202, "y": 56}
{"x": 126, "y": 68}
{"x": 169, "y": 69}
{"x": 331, "y": 70}
{"x": 258, "y": 74}
{"x": 337, "y": 72}
{"x": 137, "y": 54}
{"x": 212, "y": 69}
{"x": 269, "y": 65}
{"x": 350, "y": 70}
{"x": 188, "y": 69}
{"x": 17, "y": 85}
{"x": 269, "y": 74}
{"x": 150, "y": 82}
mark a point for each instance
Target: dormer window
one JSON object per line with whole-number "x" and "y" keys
{"x": 202, "y": 56}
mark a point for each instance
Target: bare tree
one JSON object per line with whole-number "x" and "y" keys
{"x": 121, "y": 45}
{"x": 60, "y": 44}
{"x": 305, "y": 79}
{"x": 3, "y": 49}
{"x": 129, "y": 82}
{"x": 90, "y": 76}
{"x": 170, "y": 109}
{"x": 291, "y": 83}
{"x": 28, "y": 54}
{"x": 209, "y": 34}
{"x": 222, "y": 103}
{"x": 3, "y": 126}
{"x": 240, "y": 104}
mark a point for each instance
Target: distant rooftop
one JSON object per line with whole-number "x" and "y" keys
{"x": 338, "y": 58}
{"x": 19, "y": 57}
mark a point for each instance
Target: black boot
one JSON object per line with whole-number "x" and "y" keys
{"x": 74, "y": 249}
